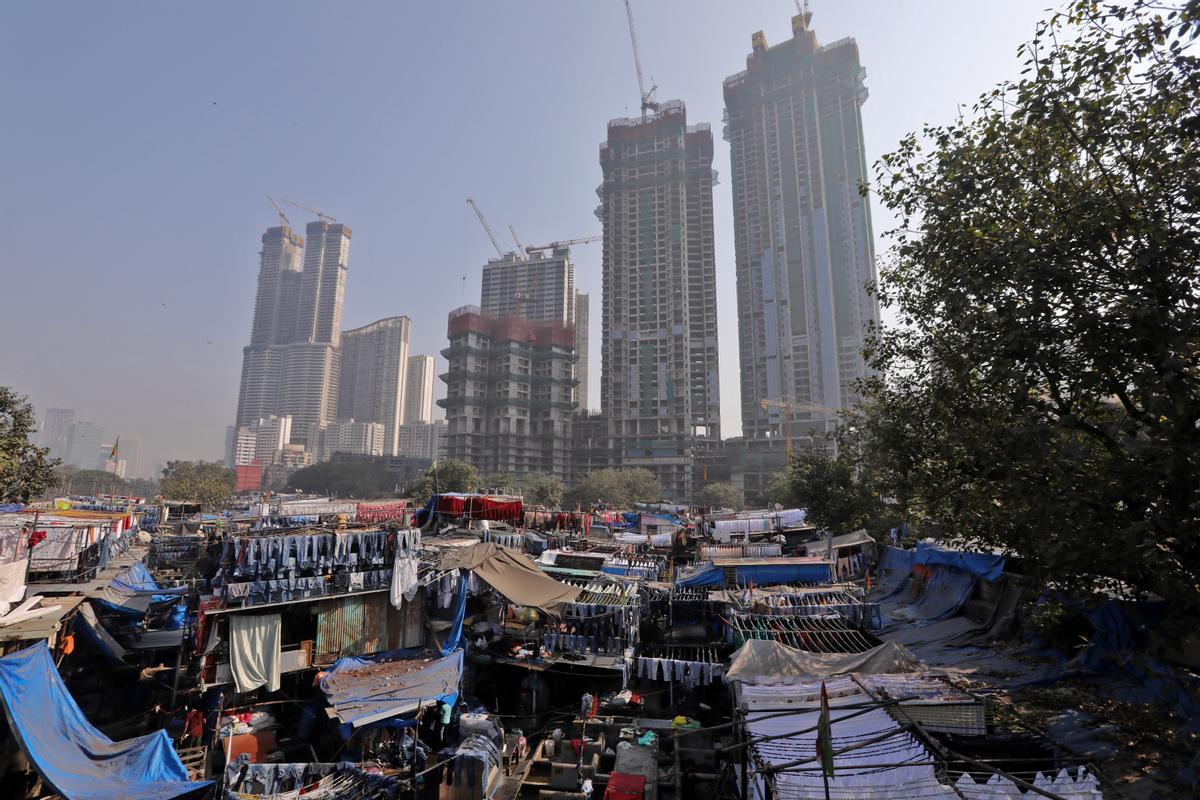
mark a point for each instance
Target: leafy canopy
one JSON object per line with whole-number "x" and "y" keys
{"x": 443, "y": 476}
{"x": 26, "y": 470}
{"x": 720, "y": 495}
{"x": 1041, "y": 392}
{"x": 350, "y": 479}
{"x": 618, "y": 488}
{"x": 208, "y": 483}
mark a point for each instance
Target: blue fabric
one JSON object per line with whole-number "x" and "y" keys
{"x": 945, "y": 595}
{"x": 10, "y": 508}
{"x": 80, "y": 762}
{"x": 358, "y": 662}
{"x": 894, "y": 569}
{"x": 366, "y": 697}
{"x": 765, "y": 574}
{"x": 460, "y": 611}
{"x": 712, "y": 576}
{"x": 981, "y": 565}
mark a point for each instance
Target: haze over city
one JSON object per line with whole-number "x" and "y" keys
{"x": 141, "y": 141}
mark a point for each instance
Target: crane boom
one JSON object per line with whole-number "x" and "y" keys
{"x": 283, "y": 220}
{"x": 647, "y": 96}
{"x": 562, "y": 243}
{"x": 320, "y": 215}
{"x": 517, "y": 239}
{"x": 486, "y": 227}
{"x": 789, "y": 407}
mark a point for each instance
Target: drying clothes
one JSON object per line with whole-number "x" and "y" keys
{"x": 255, "y": 644}
{"x": 404, "y": 579}
{"x": 12, "y": 581}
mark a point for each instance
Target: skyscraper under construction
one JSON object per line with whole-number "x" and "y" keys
{"x": 659, "y": 379}
{"x": 803, "y": 232}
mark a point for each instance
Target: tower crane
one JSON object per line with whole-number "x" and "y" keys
{"x": 486, "y": 227}
{"x": 789, "y": 407}
{"x": 283, "y": 220}
{"x": 648, "y": 102}
{"x": 562, "y": 243}
{"x": 520, "y": 247}
{"x": 320, "y": 215}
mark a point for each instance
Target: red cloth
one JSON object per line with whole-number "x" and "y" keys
{"x": 379, "y": 512}
{"x": 193, "y": 723}
{"x": 624, "y": 786}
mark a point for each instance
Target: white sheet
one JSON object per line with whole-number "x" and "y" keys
{"x": 255, "y": 644}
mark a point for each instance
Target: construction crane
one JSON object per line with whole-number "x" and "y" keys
{"x": 320, "y": 215}
{"x": 283, "y": 220}
{"x": 648, "y": 102}
{"x": 486, "y": 227}
{"x": 520, "y": 247}
{"x": 789, "y": 407}
{"x": 562, "y": 243}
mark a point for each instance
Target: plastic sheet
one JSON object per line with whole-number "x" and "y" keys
{"x": 80, "y": 762}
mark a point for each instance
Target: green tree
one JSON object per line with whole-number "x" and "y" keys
{"x": 26, "y": 470}
{"x": 620, "y": 488}
{"x": 720, "y": 495}
{"x": 543, "y": 490}
{"x": 208, "y": 483}
{"x": 1041, "y": 391}
{"x": 837, "y": 491}
{"x": 348, "y": 479}
{"x": 72, "y": 480}
{"x": 443, "y": 476}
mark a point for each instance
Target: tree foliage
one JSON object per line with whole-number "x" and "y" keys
{"x": 543, "y": 490}
{"x": 1041, "y": 391}
{"x": 26, "y": 470}
{"x": 72, "y": 480}
{"x": 208, "y": 483}
{"x": 838, "y": 491}
{"x": 618, "y": 488}
{"x": 348, "y": 479}
{"x": 720, "y": 495}
{"x": 443, "y": 476}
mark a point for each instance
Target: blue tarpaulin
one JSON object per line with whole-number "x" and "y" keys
{"x": 454, "y": 636}
{"x": 80, "y": 762}
{"x": 981, "y": 565}
{"x": 894, "y": 569}
{"x": 760, "y": 574}
{"x": 944, "y": 596}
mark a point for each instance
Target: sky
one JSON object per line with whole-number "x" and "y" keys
{"x": 140, "y": 140}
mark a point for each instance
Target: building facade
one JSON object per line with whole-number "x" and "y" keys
{"x": 804, "y": 244}
{"x": 659, "y": 385}
{"x": 55, "y": 432}
{"x": 346, "y": 436}
{"x": 424, "y": 440}
{"x": 418, "y": 390}
{"x": 85, "y": 448}
{"x": 582, "y": 320}
{"x": 293, "y": 362}
{"x": 509, "y": 393}
{"x": 374, "y": 370}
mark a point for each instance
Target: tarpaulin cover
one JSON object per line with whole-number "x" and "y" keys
{"x": 460, "y": 610}
{"x": 513, "y": 575}
{"x": 981, "y": 565}
{"x": 763, "y": 574}
{"x": 945, "y": 595}
{"x": 894, "y": 569}
{"x": 98, "y": 635}
{"x": 708, "y": 575}
{"x": 766, "y": 661}
{"x": 80, "y": 762}
{"x": 133, "y": 591}
{"x": 382, "y": 690}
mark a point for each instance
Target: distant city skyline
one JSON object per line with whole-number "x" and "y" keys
{"x": 216, "y": 137}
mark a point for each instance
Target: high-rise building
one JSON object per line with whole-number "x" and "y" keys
{"x": 132, "y": 452}
{"x": 418, "y": 390}
{"x": 425, "y": 440}
{"x": 803, "y": 232}
{"x": 270, "y": 435}
{"x": 374, "y": 371}
{"x": 582, "y": 320}
{"x": 55, "y": 432}
{"x": 659, "y": 381}
{"x": 539, "y": 287}
{"x": 84, "y": 445}
{"x": 245, "y": 445}
{"x": 346, "y": 436}
{"x": 292, "y": 365}
{"x": 509, "y": 393}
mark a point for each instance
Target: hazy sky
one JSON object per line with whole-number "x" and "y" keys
{"x": 139, "y": 141}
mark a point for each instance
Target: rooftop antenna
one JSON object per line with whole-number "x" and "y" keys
{"x": 648, "y": 102}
